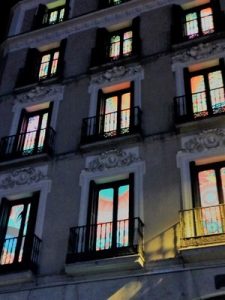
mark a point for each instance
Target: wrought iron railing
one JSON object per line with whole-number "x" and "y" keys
{"x": 102, "y": 240}
{"x": 20, "y": 253}
{"x": 111, "y": 125}
{"x": 196, "y": 106}
{"x": 27, "y": 144}
{"x": 202, "y": 225}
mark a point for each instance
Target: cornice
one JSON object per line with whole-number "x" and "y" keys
{"x": 100, "y": 18}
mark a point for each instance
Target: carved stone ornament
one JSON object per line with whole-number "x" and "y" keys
{"x": 201, "y": 51}
{"x": 116, "y": 73}
{"x": 39, "y": 92}
{"x": 205, "y": 140}
{"x": 112, "y": 159}
{"x": 21, "y": 177}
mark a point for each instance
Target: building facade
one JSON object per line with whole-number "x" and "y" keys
{"x": 112, "y": 150}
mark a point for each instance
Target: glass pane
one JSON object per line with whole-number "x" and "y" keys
{"x": 111, "y": 107}
{"x": 207, "y": 20}
{"x": 210, "y": 211}
{"x": 12, "y": 233}
{"x": 114, "y": 51}
{"x": 216, "y": 91}
{"x": 198, "y": 96}
{"x": 53, "y": 17}
{"x": 191, "y": 25}
{"x": 54, "y": 63}
{"x": 125, "y": 112}
{"x": 127, "y": 43}
{"x": 123, "y": 216}
{"x": 30, "y": 135}
{"x": 42, "y": 132}
{"x": 61, "y": 14}
{"x": 43, "y": 71}
{"x": 104, "y": 219}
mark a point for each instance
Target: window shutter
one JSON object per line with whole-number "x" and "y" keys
{"x": 67, "y": 10}
{"x": 188, "y": 97}
{"x": 136, "y": 36}
{"x": 93, "y": 204}
{"x": 100, "y": 113}
{"x": 4, "y": 215}
{"x": 38, "y": 18}
{"x": 177, "y": 27}
{"x": 218, "y": 16}
{"x": 99, "y": 53}
{"x": 61, "y": 63}
{"x": 194, "y": 185}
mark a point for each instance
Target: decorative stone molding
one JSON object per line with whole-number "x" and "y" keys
{"x": 112, "y": 159}
{"x": 203, "y": 241}
{"x": 21, "y": 177}
{"x": 205, "y": 140}
{"x": 199, "y": 52}
{"x": 40, "y": 93}
{"x": 116, "y": 73}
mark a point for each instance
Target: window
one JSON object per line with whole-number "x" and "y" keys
{"x": 49, "y": 64}
{"x": 117, "y": 42}
{"x": 108, "y": 3}
{"x": 17, "y": 224}
{"x": 51, "y": 13}
{"x": 110, "y": 211}
{"x": 206, "y": 88}
{"x": 209, "y": 194}
{"x": 192, "y": 21}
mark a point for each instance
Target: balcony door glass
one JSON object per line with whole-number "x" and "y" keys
{"x": 216, "y": 87}
{"x": 198, "y": 91}
{"x": 18, "y": 225}
{"x": 49, "y": 65}
{"x": 206, "y": 16}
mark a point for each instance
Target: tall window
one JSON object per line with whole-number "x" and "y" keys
{"x": 54, "y": 16}
{"x": 120, "y": 44}
{"x": 209, "y": 195}
{"x": 114, "y": 110}
{"x": 33, "y": 129}
{"x": 110, "y": 214}
{"x": 198, "y": 22}
{"x": 49, "y": 64}
{"x": 207, "y": 92}
{"x": 17, "y": 224}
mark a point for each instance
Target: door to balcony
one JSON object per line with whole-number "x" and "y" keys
{"x": 17, "y": 224}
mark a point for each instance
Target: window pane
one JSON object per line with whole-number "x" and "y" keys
{"x": 123, "y": 216}
{"x": 104, "y": 219}
{"x": 127, "y": 43}
{"x": 114, "y": 51}
{"x": 216, "y": 91}
{"x": 54, "y": 63}
{"x": 53, "y": 17}
{"x": 43, "y": 72}
{"x": 191, "y": 25}
{"x": 198, "y": 96}
{"x": 207, "y": 20}
{"x": 125, "y": 111}
{"x": 111, "y": 107}
{"x": 61, "y": 14}
{"x": 42, "y": 132}
{"x": 30, "y": 135}
{"x": 210, "y": 211}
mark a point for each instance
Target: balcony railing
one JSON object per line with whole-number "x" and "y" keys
{"x": 20, "y": 253}
{"x": 196, "y": 106}
{"x": 27, "y": 144}
{"x": 115, "y": 124}
{"x": 202, "y": 226}
{"x": 124, "y": 237}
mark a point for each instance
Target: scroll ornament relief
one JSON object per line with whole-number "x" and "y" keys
{"x": 112, "y": 159}
{"x": 205, "y": 140}
{"x": 21, "y": 177}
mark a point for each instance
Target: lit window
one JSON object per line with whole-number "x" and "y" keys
{"x": 199, "y": 22}
{"x": 49, "y": 64}
{"x": 121, "y": 44}
{"x": 53, "y": 16}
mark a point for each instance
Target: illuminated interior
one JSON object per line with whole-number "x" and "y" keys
{"x": 121, "y": 40}
{"x": 49, "y": 64}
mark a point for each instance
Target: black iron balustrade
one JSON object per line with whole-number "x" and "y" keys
{"x": 19, "y": 253}
{"x": 123, "y": 237}
{"x": 119, "y": 123}
{"x": 207, "y": 103}
{"x": 27, "y": 144}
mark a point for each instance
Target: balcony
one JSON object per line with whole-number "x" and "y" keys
{"x": 27, "y": 144}
{"x": 19, "y": 253}
{"x": 200, "y": 105}
{"x": 202, "y": 226}
{"x": 105, "y": 240}
{"x": 116, "y": 124}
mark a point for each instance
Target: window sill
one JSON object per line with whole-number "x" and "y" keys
{"x": 111, "y": 142}
{"x": 16, "y": 278}
{"x": 110, "y": 265}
